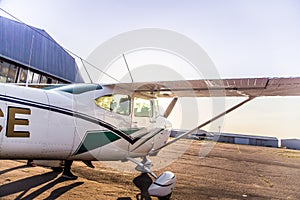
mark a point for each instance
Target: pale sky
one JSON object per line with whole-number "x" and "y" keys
{"x": 243, "y": 38}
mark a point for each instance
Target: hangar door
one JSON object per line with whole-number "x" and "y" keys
{"x": 241, "y": 140}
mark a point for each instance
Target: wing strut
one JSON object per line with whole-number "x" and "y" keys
{"x": 202, "y": 125}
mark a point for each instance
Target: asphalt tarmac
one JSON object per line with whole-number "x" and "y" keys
{"x": 205, "y": 171}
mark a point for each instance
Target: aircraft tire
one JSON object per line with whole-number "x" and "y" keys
{"x": 165, "y": 197}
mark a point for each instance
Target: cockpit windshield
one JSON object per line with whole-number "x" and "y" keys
{"x": 121, "y": 104}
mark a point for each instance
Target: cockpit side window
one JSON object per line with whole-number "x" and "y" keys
{"x": 142, "y": 107}
{"x": 116, "y": 103}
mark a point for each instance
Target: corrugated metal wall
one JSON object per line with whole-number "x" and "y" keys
{"x": 17, "y": 40}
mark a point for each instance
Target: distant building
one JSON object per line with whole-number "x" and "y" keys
{"x": 246, "y": 139}
{"x": 177, "y": 132}
{"x": 291, "y": 143}
{"x": 26, "y": 51}
{"x": 198, "y": 135}
{"x": 230, "y": 138}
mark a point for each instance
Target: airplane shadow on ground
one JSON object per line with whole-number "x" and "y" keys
{"x": 14, "y": 168}
{"x": 24, "y": 185}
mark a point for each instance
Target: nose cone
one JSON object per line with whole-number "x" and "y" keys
{"x": 168, "y": 124}
{"x": 162, "y": 122}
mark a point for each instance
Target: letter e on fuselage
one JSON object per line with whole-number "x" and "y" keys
{"x": 12, "y": 121}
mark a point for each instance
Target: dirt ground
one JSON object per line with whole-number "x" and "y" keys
{"x": 228, "y": 171}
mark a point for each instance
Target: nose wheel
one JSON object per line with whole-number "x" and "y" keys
{"x": 165, "y": 197}
{"x": 162, "y": 187}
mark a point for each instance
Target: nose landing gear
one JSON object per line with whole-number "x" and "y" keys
{"x": 162, "y": 187}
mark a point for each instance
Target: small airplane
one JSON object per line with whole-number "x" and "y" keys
{"x": 113, "y": 122}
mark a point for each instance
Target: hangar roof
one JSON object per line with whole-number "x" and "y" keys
{"x": 19, "y": 40}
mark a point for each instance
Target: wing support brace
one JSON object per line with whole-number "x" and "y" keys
{"x": 143, "y": 166}
{"x": 202, "y": 125}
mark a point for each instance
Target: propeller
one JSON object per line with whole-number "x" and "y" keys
{"x": 170, "y": 107}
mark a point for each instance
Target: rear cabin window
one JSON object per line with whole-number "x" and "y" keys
{"x": 116, "y": 103}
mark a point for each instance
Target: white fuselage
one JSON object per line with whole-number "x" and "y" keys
{"x": 65, "y": 123}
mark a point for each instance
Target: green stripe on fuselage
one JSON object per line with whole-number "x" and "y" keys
{"x": 96, "y": 139}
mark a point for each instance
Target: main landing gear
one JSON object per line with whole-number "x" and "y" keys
{"x": 163, "y": 185}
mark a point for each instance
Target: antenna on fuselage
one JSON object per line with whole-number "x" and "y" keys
{"x": 127, "y": 67}
{"x": 86, "y": 70}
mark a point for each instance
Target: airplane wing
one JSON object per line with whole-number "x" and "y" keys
{"x": 242, "y": 87}
{"x": 251, "y": 87}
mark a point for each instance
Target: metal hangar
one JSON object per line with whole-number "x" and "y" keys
{"x": 30, "y": 54}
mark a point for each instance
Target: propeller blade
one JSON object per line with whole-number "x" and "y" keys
{"x": 170, "y": 107}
